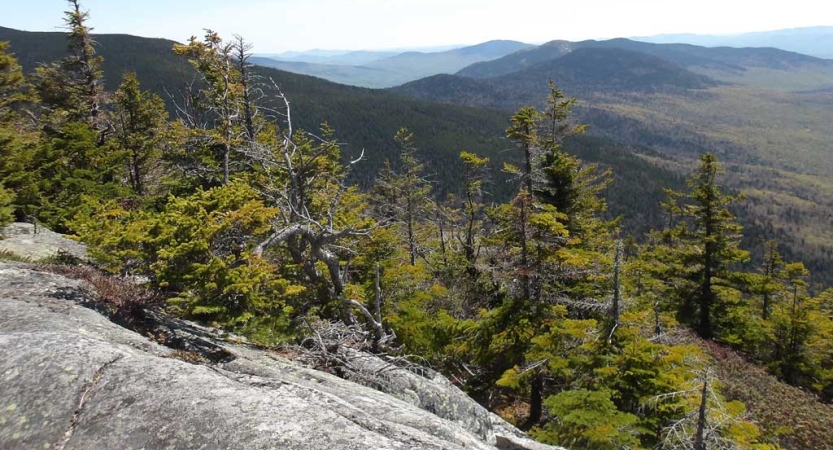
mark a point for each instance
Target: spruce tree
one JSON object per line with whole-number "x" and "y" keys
{"x": 707, "y": 249}
{"x": 17, "y": 135}
{"x": 404, "y": 196}
{"x": 140, "y": 125}
{"x": 72, "y": 90}
{"x": 222, "y": 97}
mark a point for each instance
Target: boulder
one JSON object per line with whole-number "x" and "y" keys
{"x": 70, "y": 378}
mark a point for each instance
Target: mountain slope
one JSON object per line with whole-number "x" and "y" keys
{"x": 368, "y": 119}
{"x": 763, "y": 67}
{"x": 152, "y": 59}
{"x": 581, "y": 72}
{"x": 380, "y": 70}
{"x": 518, "y": 61}
{"x": 344, "y": 74}
{"x": 418, "y": 65}
{"x": 776, "y": 145}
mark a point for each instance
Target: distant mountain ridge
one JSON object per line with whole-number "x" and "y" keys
{"x": 380, "y": 70}
{"x": 714, "y": 61}
{"x": 349, "y": 58}
{"x": 583, "y": 72}
{"x": 814, "y": 41}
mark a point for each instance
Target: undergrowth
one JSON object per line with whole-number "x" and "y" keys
{"x": 789, "y": 416}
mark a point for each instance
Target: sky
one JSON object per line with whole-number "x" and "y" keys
{"x": 281, "y": 25}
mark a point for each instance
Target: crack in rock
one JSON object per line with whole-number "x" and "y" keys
{"x": 82, "y": 401}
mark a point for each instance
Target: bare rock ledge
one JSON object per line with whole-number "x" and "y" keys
{"x": 72, "y": 379}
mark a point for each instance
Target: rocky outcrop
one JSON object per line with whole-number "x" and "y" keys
{"x": 71, "y": 378}
{"x": 31, "y": 242}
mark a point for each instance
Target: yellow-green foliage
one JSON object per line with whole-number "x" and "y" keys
{"x": 199, "y": 249}
{"x": 5, "y": 206}
{"x": 587, "y": 419}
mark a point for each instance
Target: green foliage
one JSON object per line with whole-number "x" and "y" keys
{"x": 404, "y": 197}
{"x": 704, "y": 250}
{"x": 199, "y": 249}
{"x": 6, "y": 210}
{"x": 528, "y": 303}
{"x": 140, "y": 130}
{"x": 11, "y": 84}
{"x": 587, "y": 419}
{"x": 71, "y": 90}
{"x": 71, "y": 167}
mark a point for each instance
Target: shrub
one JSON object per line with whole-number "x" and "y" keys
{"x": 199, "y": 250}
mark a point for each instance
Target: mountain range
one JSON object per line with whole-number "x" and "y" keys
{"x": 386, "y": 69}
{"x": 814, "y": 41}
{"x": 652, "y": 108}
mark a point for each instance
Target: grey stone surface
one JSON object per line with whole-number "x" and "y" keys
{"x": 21, "y": 239}
{"x": 72, "y": 379}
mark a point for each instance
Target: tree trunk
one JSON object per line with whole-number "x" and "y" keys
{"x": 226, "y": 154}
{"x": 617, "y": 291}
{"x": 536, "y": 401}
{"x": 706, "y": 294}
{"x": 700, "y": 437}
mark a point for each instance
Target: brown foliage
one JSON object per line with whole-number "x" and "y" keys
{"x": 121, "y": 297}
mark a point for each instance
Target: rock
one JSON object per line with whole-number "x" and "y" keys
{"x": 72, "y": 379}
{"x": 21, "y": 240}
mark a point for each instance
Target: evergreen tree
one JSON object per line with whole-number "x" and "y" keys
{"x": 242, "y": 52}
{"x": 767, "y": 284}
{"x": 793, "y": 326}
{"x": 17, "y": 135}
{"x": 707, "y": 249}
{"x": 140, "y": 122}
{"x": 222, "y": 94}
{"x": 74, "y": 172}
{"x": 404, "y": 197}
{"x": 72, "y": 90}
{"x": 472, "y": 213}
{"x": 12, "y": 86}
{"x": 6, "y": 216}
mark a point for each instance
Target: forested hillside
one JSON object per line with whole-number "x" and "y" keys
{"x": 472, "y": 241}
{"x": 368, "y": 119}
{"x": 777, "y": 144}
{"x": 760, "y": 67}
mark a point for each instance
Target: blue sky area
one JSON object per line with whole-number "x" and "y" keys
{"x": 279, "y": 25}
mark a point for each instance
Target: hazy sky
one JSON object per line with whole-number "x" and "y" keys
{"x": 278, "y": 25}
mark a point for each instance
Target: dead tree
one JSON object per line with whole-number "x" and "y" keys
{"x": 704, "y": 426}
{"x": 311, "y": 235}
